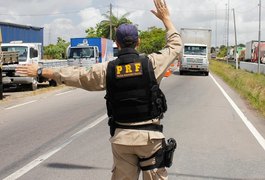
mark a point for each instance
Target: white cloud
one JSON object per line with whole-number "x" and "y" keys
{"x": 71, "y": 18}
{"x": 64, "y": 28}
{"x": 90, "y": 17}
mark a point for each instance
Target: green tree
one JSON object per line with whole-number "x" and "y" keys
{"x": 223, "y": 51}
{"x": 241, "y": 45}
{"x": 91, "y": 32}
{"x": 57, "y": 51}
{"x": 152, "y": 40}
{"x": 94, "y": 32}
{"x": 102, "y": 29}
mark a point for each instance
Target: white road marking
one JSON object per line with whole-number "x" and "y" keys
{"x": 59, "y": 94}
{"x": 249, "y": 125}
{"x": 18, "y": 105}
{"x": 44, "y": 157}
{"x": 12, "y": 107}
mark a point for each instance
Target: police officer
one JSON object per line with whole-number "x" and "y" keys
{"x": 135, "y": 103}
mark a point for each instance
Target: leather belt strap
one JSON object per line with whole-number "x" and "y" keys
{"x": 148, "y": 127}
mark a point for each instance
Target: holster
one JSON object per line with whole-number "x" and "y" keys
{"x": 112, "y": 126}
{"x": 163, "y": 157}
{"x": 169, "y": 151}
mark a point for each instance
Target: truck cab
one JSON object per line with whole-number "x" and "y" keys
{"x": 115, "y": 50}
{"x": 27, "y": 52}
{"x": 87, "y": 51}
{"x": 194, "y": 58}
{"x": 83, "y": 55}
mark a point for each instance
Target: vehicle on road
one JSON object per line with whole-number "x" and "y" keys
{"x": 251, "y": 52}
{"x": 28, "y": 53}
{"x": 196, "y": 50}
{"x": 88, "y": 51}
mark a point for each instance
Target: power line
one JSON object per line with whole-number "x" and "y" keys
{"x": 48, "y": 14}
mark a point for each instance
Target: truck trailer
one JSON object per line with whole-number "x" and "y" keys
{"x": 196, "y": 50}
{"x": 19, "y": 32}
{"x": 251, "y": 52}
{"x": 88, "y": 51}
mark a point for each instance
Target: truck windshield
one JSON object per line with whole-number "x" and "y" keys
{"x": 22, "y": 51}
{"x": 82, "y": 52}
{"x": 195, "y": 50}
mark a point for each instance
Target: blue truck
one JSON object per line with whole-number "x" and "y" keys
{"x": 88, "y": 51}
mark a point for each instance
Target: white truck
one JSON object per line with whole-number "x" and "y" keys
{"x": 85, "y": 52}
{"x": 6, "y": 58}
{"x": 196, "y": 50}
{"x": 28, "y": 53}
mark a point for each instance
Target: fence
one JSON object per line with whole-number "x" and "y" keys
{"x": 252, "y": 67}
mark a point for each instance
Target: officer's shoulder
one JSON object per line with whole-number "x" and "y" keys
{"x": 157, "y": 52}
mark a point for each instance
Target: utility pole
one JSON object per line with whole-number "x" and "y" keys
{"x": 235, "y": 49}
{"x": 110, "y": 16}
{"x": 259, "y": 36}
{"x": 49, "y": 35}
{"x": 215, "y": 26}
{"x": 228, "y": 9}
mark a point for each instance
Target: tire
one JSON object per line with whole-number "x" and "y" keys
{"x": 52, "y": 83}
{"x": 32, "y": 86}
{"x": 180, "y": 72}
{"x": 206, "y": 73}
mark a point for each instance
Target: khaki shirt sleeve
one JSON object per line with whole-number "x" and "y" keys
{"x": 89, "y": 78}
{"x": 162, "y": 59}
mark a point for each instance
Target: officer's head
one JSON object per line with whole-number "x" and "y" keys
{"x": 127, "y": 36}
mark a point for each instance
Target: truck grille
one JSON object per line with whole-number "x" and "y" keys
{"x": 194, "y": 60}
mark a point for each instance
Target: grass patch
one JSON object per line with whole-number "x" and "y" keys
{"x": 249, "y": 85}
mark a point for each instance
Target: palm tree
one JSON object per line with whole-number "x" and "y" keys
{"x": 111, "y": 20}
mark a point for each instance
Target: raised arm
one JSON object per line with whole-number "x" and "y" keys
{"x": 162, "y": 13}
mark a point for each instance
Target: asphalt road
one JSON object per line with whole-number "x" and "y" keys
{"x": 63, "y": 134}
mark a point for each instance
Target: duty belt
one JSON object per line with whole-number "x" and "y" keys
{"x": 148, "y": 127}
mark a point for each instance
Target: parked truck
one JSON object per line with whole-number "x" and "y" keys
{"x": 28, "y": 53}
{"x": 88, "y": 51}
{"x": 5, "y": 58}
{"x": 251, "y": 52}
{"x": 196, "y": 50}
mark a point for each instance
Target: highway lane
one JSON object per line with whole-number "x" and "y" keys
{"x": 213, "y": 141}
{"x": 32, "y": 129}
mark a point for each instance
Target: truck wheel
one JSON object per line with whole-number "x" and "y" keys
{"x": 206, "y": 73}
{"x": 52, "y": 83}
{"x": 180, "y": 72}
{"x": 32, "y": 86}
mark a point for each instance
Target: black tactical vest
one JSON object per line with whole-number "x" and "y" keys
{"x": 133, "y": 94}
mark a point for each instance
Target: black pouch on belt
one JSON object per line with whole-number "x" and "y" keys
{"x": 112, "y": 126}
{"x": 169, "y": 151}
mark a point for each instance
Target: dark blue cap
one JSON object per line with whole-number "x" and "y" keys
{"x": 126, "y": 34}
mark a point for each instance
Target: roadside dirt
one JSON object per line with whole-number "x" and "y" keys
{"x": 15, "y": 94}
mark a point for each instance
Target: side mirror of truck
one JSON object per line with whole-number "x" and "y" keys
{"x": 99, "y": 54}
{"x": 33, "y": 53}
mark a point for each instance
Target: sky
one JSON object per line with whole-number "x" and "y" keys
{"x": 66, "y": 19}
